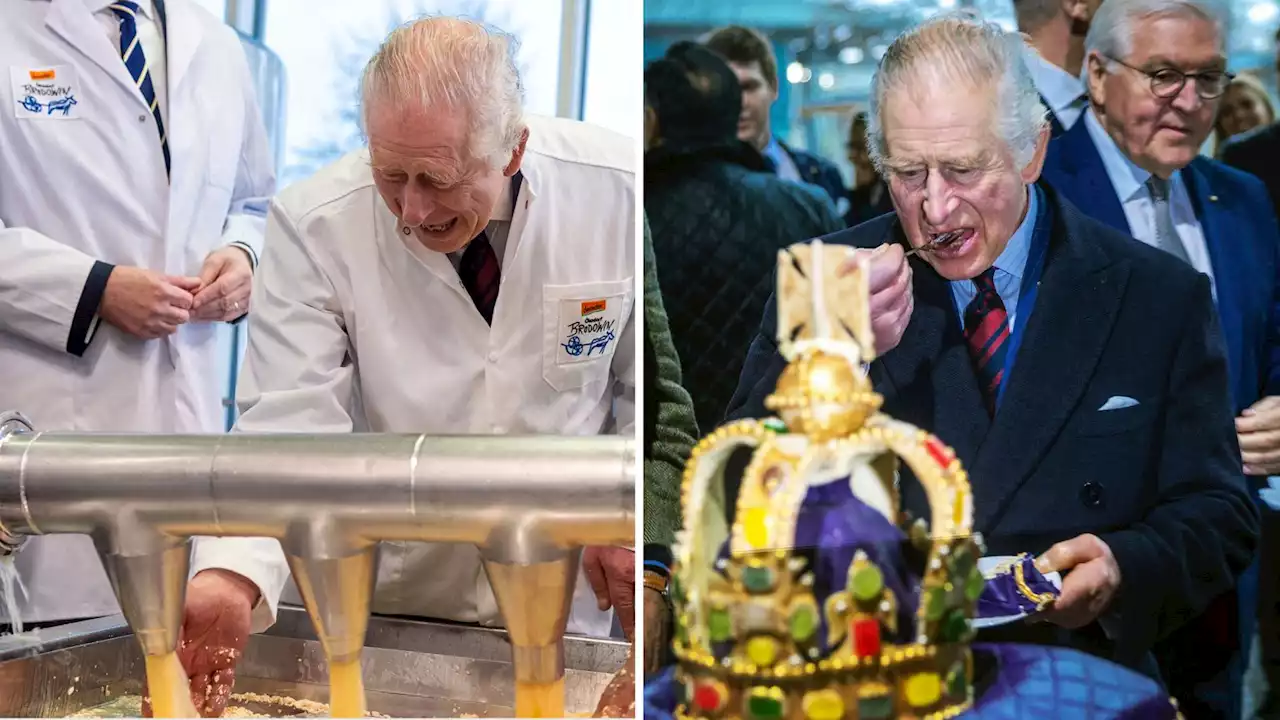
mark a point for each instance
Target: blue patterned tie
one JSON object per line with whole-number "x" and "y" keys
{"x": 986, "y": 328}
{"x": 136, "y": 61}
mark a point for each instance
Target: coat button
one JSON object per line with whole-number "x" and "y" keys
{"x": 1091, "y": 494}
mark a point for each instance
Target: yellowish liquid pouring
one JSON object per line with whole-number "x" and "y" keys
{"x": 346, "y": 690}
{"x": 540, "y": 700}
{"x": 170, "y": 692}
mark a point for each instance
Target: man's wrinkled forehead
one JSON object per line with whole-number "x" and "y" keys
{"x": 1153, "y": 42}
{"x": 941, "y": 124}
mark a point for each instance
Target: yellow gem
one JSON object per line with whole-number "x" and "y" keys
{"x": 923, "y": 689}
{"x": 823, "y": 705}
{"x": 763, "y": 650}
{"x": 753, "y": 524}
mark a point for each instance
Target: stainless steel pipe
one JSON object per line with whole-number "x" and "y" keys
{"x": 528, "y": 502}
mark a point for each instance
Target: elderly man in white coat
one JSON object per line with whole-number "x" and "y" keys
{"x": 134, "y": 181}
{"x": 436, "y": 282}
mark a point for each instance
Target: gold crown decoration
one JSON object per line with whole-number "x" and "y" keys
{"x": 756, "y": 635}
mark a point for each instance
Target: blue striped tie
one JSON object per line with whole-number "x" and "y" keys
{"x": 136, "y": 61}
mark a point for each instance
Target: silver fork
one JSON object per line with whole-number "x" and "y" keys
{"x": 937, "y": 243}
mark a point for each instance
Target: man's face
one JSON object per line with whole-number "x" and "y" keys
{"x": 428, "y": 179}
{"x": 1160, "y": 135}
{"x": 757, "y": 98}
{"x": 948, "y": 170}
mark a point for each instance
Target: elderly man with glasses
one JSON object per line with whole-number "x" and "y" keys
{"x": 1156, "y": 71}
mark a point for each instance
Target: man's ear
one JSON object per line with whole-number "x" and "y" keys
{"x": 1031, "y": 172}
{"x": 517, "y": 155}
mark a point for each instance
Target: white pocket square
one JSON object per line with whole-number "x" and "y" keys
{"x": 1117, "y": 402}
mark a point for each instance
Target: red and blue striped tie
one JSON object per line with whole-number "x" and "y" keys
{"x": 134, "y": 59}
{"x": 480, "y": 275}
{"x": 986, "y": 329}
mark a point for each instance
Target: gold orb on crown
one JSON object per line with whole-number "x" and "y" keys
{"x": 820, "y": 395}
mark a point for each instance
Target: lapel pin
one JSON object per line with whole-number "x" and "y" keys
{"x": 1213, "y": 198}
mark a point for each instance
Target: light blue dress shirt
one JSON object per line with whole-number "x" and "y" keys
{"x": 782, "y": 162}
{"x": 1010, "y": 266}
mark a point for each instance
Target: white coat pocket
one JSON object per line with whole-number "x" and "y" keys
{"x": 582, "y": 325}
{"x": 46, "y": 93}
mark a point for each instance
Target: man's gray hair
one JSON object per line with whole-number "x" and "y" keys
{"x": 960, "y": 50}
{"x": 455, "y": 63}
{"x": 1111, "y": 33}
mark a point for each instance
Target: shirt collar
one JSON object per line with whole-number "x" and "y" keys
{"x": 1059, "y": 88}
{"x": 1127, "y": 178}
{"x": 503, "y": 206}
{"x": 1013, "y": 259}
{"x": 145, "y": 6}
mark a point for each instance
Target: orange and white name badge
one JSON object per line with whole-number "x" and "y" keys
{"x": 48, "y": 92}
{"x": 589, "y": 328}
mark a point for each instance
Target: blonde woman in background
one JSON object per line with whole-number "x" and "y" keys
{"x": 1245, "y": 106}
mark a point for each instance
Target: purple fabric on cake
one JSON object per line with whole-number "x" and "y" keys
{"x": 1001, "y": 596}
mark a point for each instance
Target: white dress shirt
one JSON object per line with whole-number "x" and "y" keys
{"x": 497, "y": 229}
{"x": 1063, "y": 92}
{"x": 1130, "y": 183}
{"x": 149, "y": 37}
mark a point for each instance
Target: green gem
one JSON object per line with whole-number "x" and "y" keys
{"x": 719, "y": 626}
{"x": 956, "y": 681}
{"x": 961, "y": 559}
{"x": 774, "y": 424}
{"x": 935, "y": 603}
{"x": 875, "y": 707}
{"x": 867, "y": 582}
{"x": 974, "y": 585}
{"x": 757, "y": 579}
{"x": 955, "y": 627}
{"x": 764, "y": 708}
{"x": 804, "y": 622}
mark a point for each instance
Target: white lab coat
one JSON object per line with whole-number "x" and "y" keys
{"x": 90, "y": 186}
{"x": 339, "y": 282}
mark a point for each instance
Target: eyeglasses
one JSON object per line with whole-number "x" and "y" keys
{"x": 1168, "y": 82}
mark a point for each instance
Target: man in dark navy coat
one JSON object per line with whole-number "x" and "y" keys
{"x": 1079, "y": 375}
{"x": 1157, "y": 73}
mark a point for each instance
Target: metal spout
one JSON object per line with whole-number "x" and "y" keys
{"x": 535, "y": 599}
{"x": 152, "y": 589}
{"x": 11, "y": 423}
{"x": 337, "y": 592}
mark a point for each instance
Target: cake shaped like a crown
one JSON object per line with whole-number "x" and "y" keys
{"x": 823, "y": 600}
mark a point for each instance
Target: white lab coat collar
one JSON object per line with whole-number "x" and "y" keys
{"x": 73, "y": 20}
{"x": 148, "y": 10}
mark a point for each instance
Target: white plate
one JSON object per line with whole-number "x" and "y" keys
{"x": 989, "y": 564}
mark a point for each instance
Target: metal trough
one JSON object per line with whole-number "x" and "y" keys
{"x": 412, "y": 668}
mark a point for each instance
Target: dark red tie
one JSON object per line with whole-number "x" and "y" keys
{"x": 480, "y": 275}
{"x": 986, "y": 329}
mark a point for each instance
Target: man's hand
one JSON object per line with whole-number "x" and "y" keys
{"x": 1087, "y": 590}
{"x": 1258, "y": 429}
{"x": 146, "y": 304}
{"x": 226, "y": 282}
{"x": 891, "y": 297}
{"x": 657, "y": 628}
{"x": 612, "y": 574}
{"x": 215, "y": 630}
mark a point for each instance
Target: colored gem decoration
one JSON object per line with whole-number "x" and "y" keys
{"x": 719, "y": 625}
{"x": 758, "y": 579}
{"x": 939, "y": 452}
{"x": 866, "y": 637}
{"x": 866, "y": 580}
{"x": 756, "y": 616}
{"x": 823, "y": 705}
{"x": 875, "y": 706}
{"x": 774, "y": 424}
{"x": 803, "y": 622}
{"x": 923, "y": 689}
{"x": 957, "y": 682}
{"x": 974, "y": 584}
{"x": 755, "y": 527}
{"x": 765, "y": 703}
{"x": 935, "y": 603}
{"x": 710, "y": 695}
{"x": 763, "y": 650}
{"x": 955, "y": 627}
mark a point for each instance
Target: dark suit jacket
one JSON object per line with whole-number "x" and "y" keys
{"x": 1244, "y": 247}
{"x": 817, "y": 171}
{"x": 1159, "y": 482}
{"x": 1258, "y": 153}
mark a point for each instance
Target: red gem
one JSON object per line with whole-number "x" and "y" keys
{"x": 707, "y": 697}
{"x": 866, "y": 637}
{"x": 937, "y": 451}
